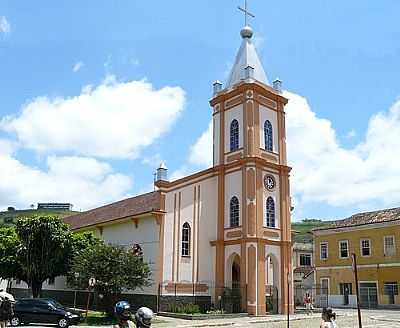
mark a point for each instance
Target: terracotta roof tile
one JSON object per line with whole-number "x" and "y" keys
{"x": 387, "y": 215}
{"x": 118, "y": 210}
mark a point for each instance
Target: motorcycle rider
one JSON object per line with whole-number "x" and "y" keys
{"x": 122, "y": 310}
{"x": 143, "y": 316}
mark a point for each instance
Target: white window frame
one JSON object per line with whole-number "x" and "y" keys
{"x": 320, "y": 250}
{"x": 361, "y": 247}
{"x": 384, "y": 245}
{"x": 340, "y": 251}
{"x": 186, "y": 242}
{"x": 305, "y": 254}
{"x": 329, "y": 283}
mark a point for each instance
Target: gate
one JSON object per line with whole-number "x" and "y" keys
{"x": 231, "y": 299}
{"x": 271, "y": 299}
{"x": 202, "y": 296}
{"x": 318, "y": 294}
{"x": 368, "y": 295}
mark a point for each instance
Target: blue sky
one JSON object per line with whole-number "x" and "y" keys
{"x": 341, "y": 56}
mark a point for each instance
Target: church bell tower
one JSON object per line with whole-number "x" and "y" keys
{"x": 253, "y": 246}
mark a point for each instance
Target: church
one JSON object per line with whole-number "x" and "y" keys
{"x": 226, "y": 228}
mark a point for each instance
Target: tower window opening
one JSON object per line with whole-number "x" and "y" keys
{"x": 234, "y": 134}
{"x": 270, "y": 209}
{"x": 268, "y": 136}
{"x": 234, "y": 212}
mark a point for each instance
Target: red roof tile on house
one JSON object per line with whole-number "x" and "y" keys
{"x": 387, "y": 215}
{"x": 122, "y": 209}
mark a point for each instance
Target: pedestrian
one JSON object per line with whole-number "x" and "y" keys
{"x": 328, "y": 318}
{"x": 308, "y": 303}
{"x": 6, "y": 311}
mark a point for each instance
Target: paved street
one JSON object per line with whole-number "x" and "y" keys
{"x": 346, "y": 319}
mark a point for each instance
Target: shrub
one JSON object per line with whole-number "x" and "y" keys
{"x": 184, "y": 308}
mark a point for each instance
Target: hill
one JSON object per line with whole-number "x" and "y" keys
{"x": 303, "y": 229}
{"x": 10, "y": 217}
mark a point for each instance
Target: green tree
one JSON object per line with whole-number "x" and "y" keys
{"x": 39, "y": 248}
{"x": 45, "y": 249}
{"x": 114, "y": 268}
{"x": 9, "y": 245}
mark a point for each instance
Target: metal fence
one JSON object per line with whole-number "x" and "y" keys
{"x": 176, "y": 297}
{"x": 271, "y": 299}
{"x": 318, "y": 294}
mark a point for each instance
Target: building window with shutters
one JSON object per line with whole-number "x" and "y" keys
{"x": 234, "y": 212}
{"x": 268, "y": 139}
{"x": 270, "y": 211}
{"x": 365, "y": 247}
{"x": 305, "y": 259}
{"x": 234, "y": 135}
{"x": 323, "y": 250}
{"x": 344, "y": 249}
{"x": 391, "y": 289}
{"x": 186, "y": 239}
{"x": 389, "y": 246}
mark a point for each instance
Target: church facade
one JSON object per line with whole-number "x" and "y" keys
{"x": 237, "y": 213}
{"x": 227, "y": 227}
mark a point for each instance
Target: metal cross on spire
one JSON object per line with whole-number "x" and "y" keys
{"x": 246, "y": 12}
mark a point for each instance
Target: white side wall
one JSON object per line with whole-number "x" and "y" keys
{"x": 124, "y": 234}
{"x": 202, "y": 253}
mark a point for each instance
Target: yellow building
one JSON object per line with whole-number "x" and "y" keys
{"x": 375, "y": 238}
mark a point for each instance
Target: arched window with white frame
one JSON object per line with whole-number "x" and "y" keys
{"x": 234, "y": 135}
{"x": 268, "y": 139}
{"x": 270, "y": 212}
{"x": 234, "y": 212}
{"x": 186, "y": 239}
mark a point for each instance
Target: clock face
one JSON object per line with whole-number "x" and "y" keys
{"x": 269, "y": 182}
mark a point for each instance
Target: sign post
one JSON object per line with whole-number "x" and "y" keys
{"x": 76, "y": 275}
{"x": 354, "y": 265}
{"x": 92, "y": 283}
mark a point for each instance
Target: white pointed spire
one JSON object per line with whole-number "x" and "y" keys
{"x": 246, "y": 57}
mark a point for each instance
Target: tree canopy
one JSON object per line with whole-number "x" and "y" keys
{"x": 39, "y": 248}
{"x": 115, "y": 269}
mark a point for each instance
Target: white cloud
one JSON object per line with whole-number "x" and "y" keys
{"x": 85, "y": 182}
{"x": 365, "y": 176}
{"x": 201, "y": 152}
{"x": 323, "y": 171}
{"x": 113, "y": 120}
{"x": 77, "y": 66}
{"x": 7, "y": 147}
{"x": 5, "y": 26}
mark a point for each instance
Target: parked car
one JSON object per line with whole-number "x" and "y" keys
{"x": 43, "y": 310}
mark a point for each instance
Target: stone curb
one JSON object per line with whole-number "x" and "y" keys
{"x": 384, "y": 319}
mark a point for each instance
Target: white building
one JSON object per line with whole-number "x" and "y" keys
{"x": 214, "y": 230}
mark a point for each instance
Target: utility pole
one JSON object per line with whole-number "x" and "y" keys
{"x": 354, "y": 264}
{"x": 288, "y": 299}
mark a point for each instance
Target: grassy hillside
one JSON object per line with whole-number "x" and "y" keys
{"x": 10, "y": 217}
{"x": 303, "y": 229}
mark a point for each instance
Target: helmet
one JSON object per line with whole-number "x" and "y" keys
{"x": 143, "y": 317}
{"x": 119, "y": 309}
